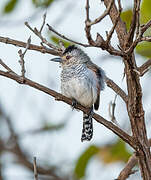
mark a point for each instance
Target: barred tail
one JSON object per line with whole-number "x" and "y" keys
{"x": 87, "y": 131}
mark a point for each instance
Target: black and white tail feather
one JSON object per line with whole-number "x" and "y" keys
{"x": 87, "y": 131}
{"x": 75, "y": 67}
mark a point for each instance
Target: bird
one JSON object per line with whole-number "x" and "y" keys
{"x": 82, "y": 81}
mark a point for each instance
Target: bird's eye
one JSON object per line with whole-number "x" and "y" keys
{"x": 68, "y": 57}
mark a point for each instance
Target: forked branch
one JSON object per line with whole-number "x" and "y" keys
{"x": 123, "y": 135}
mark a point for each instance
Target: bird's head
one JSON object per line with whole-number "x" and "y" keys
{"x": 71, "y": 56}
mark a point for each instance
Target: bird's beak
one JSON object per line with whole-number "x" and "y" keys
{"x": 56, "y": 59}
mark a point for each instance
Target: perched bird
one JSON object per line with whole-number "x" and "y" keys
{"x": 82, "y": 81}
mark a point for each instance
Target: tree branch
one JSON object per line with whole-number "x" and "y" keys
{"x": 144, "y": 27}
{"x": 5, "y": 66}
{"x": 41, "y": 49}
{"x": 109, "y": 35}
{"x": 135, "y": 21}
{"x": 123, "y": 135}
{"x": 120, "y": 27}
{"x": 43, "y": 23}
{"x": 35, "y": 169}
{"x": 106, "y": 12}
{"x": 100, "y": 42}
{"x": 145, "y": 67}
{"x": 134, "y": 106}
{"x": 87, "y": 26}
{"x": 140, "y": 37}
{"x": 64, "y": 37}
{"x": 117, "y": 89}
{"x": 112, "y": 106}
{"x": 21, "y": 156}
{"x": 21, "y": 61}
{"x": 38, "y": 33}
{"x": 127, "y": 171}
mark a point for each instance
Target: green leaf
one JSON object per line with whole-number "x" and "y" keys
{"x": 144, "y": 49}
{"x": 126, "y": 16}
{"x": 145, "y": 11}
{"x": 120, "y": 150}
{"x": 83, "y": 161}
{"x": 114, "y": 153}
{"x": 9, "y": 7}
{"x": 42, "y": 3}
{"x": 56, "y": 40}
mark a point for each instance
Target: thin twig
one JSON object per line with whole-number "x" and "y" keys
{"x": 27, "y": 46}
{"x": 110, "y": 83}
{"x": 146, "y": 38}
{"x": 64, "y": 37}
{"x": 119, "y": 6}
{"x": 44, "y": 39}
{"x": 35, "y": 31}
{"x": 145, "y": 67}
{"x": 34, "y": 47}
{"x": 127, "y": 171}
{"x": 112, "y": 106}
{"x": 138, "y": 20}
{"x": 43, "y": 23}
{"x": 120, "y": 27}
{"x": 87, "y": 26}
{"x": 87, "y": 10}
{"x": 100, "y": 42}
{"x": 5, "y": 66}
{"x": 21, "y": 61}
{"x": 97, "y": 20}
{"x": 140, "y": 37}
{"x": 134, "y": 22}
{"x": 35, "y": 169}
{"x": 109, "y": 35}
{"x": 145, "y": 27}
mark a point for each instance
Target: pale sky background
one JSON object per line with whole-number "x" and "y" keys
{"x": 26, "y": 105}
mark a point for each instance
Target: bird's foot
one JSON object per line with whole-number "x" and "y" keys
{"x": 74, "y": 104}
{"x": 91, "y": 112}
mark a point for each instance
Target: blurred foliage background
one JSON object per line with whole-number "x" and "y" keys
{"x": 113, "y": 152}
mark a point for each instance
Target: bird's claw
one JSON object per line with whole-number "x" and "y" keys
{"x": 91, "y": 112}
{"x": 74, "y": 104}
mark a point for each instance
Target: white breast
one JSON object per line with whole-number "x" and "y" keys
{"x": 82, "y": 88}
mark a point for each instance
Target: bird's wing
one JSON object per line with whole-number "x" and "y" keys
{"x": 96, "y": 70}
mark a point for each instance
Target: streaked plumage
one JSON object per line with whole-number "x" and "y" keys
{"x": 82, "y": 81}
